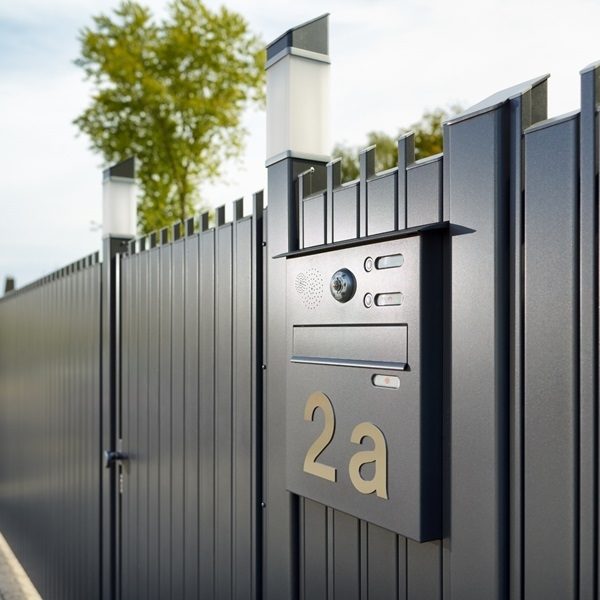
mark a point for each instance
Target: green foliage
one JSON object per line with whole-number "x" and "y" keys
{"x": 172, "y": 94}
{"x": 428, "y": 141}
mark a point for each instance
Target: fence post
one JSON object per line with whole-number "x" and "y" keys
{"x": 119, "y": 193}
{"x": 588, "y": 516}
{"x": 479, "y": 148}
{"x": 297, "y": 139}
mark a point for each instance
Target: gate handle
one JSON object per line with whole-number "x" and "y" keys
{"x": 111, "y": 456}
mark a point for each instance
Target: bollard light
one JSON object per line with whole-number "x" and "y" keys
{"x": 298, "y": 94}
{"x": 119, "y": 199}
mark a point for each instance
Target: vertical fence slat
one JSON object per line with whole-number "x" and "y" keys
{"x": 551, "y": 360}
{"x": 178, "y": 419}
{"x": 191, "y": 433}
{"x": 382, "y": 204}
{"x": 588, "y": 218}
{"x": 525, "y": 110}
{"x": 382, "y": 562}
{"x": 165, "y": 420}
{"x": 424, "y": 192}
{"x": 206, "y": 416}
{"x": 123, "y": 568}
{"x": 141, "y": 458}
{"x": 424, "y": 571}
{"x": 223, "y": 412}
{"x": 346, "y": 556}
{"x": 314, "y": 549}
{"x": 244, "y": 503}
{"x": 474, "y": 190}
{"x": 154, "y": 416}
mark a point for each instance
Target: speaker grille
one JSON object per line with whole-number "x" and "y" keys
{"x": 310, "y": 286}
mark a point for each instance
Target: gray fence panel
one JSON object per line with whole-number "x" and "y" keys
{"x": 424, "y": 570}
{"x": 474, "y": 189}
{"x": 154, "y": 424}
{"x": 191, "y": 422}
{"x": 50, "y": 430}
{"x": 206, "y": 400}
{"x": 382, "y": 203}
{"x": 244, "y": 413}
{"x": 346, "y": 556}
{"x": 406, "y": 157}
{"x": 144, "y": 440}
{"x": 588, "y": 523}
{"x": 177, "y": 419}
{"x": 382, "y": 563}
{"x": 345, "y": 213}
{"x": 129, "y": 416}
{"x": 525, "y": 110}
{"x": 313, "y": 539}
{"x": 165, "y": 295}
{"x": 190, "y": 410}
{"x": 280, "y": 538}
{"x": 551, "y": 343}
{"x": 313, "y": 220}
{"x": 223, "y": 410}
{"x": 424, "y": 192}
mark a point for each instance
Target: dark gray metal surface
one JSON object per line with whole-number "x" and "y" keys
{"x": 281, "y": 548}
{"x": 424, "y": 192}
{"x": 313, "y": 221}
{"x": 588, "y": 392}
{"x": 323, "y": 330}
{"x": 525, "y": 109}
{"x": 551, "y": 343}
{"x": 475, "y": 192}
{"x": 191, "y": 425}
{"x": 345, "y": 213}
{"x": 311, "y": 36}
{"x": 382, "y": 194}
{"x": 190, "y": 410}
{"x": 50, "y": 430}
{"x": 206, "y": 415}
{"x": 154, "y": 419}
{"x": 110, "y": 369}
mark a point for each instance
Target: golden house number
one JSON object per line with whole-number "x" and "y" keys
{"x": 378, "y": 455}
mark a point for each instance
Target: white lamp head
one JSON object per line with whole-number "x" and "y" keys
{"x": 298, "y": 93}
{"x": 119, "y": 199}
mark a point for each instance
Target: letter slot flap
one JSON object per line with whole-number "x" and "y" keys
{"x": 364, "y": 380}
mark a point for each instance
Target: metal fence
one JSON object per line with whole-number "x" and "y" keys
{"x": 50, "y": 429}
{"x": 463, "y": 361}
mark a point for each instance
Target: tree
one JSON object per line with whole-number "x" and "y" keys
{"x": 428, "y": 141}
{"x": 172, "y": 94}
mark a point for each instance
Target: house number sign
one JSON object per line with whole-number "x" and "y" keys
{"x": 376, "y": 456}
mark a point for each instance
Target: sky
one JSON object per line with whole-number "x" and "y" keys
{"x": 391, "y": 61}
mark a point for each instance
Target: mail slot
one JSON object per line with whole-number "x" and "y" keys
{"x": 364, "y": 379}
{"x": 369, "y": 346}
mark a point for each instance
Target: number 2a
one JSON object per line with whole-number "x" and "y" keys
{"x": 363, "y": 430}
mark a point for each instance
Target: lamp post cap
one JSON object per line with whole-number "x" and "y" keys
{"x": 125, "y": 170}
{"x": 312, "y": 36}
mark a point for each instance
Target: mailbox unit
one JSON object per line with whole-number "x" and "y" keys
{"x": 364, "y": 379}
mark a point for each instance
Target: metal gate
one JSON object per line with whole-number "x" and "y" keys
{"x": 189, "y": 414}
